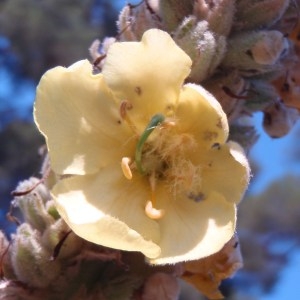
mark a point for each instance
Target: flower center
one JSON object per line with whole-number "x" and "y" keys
{"x": 164, "y": 156}
{"x": 155, "y": 121}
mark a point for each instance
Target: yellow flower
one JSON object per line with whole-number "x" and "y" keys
{"x": 151, "y": 169}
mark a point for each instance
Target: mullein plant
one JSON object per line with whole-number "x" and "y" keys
{"x": 146, "y": 152}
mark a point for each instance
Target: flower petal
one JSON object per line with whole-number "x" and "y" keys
{"x": 226, "y": 171}
{"x": 108, "y": 209}
{"x": 192, "y": 230}
{"x": 200, "y": 114}
{"x": 76, "y": 112}
{"x": 148, "y": 74}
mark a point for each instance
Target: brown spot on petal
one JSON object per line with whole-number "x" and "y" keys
{"x": 170, "y": 107}
{"x": 216, "y": 146}
{"x": 196, "y": 197}
{"x": 138, "y": 90}
{"x": 219, "y": 123}
{"x": 210, "y": 135}
{"x": 124, "y": 106}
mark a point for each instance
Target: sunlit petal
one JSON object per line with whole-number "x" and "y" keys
{"x": 108, "y": 209}
{"x": 147, "y": 74}
{"x": 191, "y": 230}
{"x": 200, "y": 114}
{"x": 76, "y": 112}
{"x": 227, "y": 172}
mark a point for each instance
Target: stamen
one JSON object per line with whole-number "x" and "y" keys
{"x": 154, "y": 122}
{"x": 152, "y": 212}
{"x": 125, "y": 167}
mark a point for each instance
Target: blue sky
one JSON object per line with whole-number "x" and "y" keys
{"x": 288, "y": 286}
{"x": 273, "y": 158}
{"x": 15, "y": 98}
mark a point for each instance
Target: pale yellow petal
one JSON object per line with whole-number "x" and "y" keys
{"x": 108, "y": 209}
{"x": 147, "y": 74}
{"x": 226, "y": 171}
{"x": 200, "y": 114}
{"x": 76, "y": 113}
{"x": 192, "y": 230}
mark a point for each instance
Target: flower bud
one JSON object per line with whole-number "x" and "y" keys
{"x": 211, "y": 12}
{"x": 31, "y": 201}
{"x": 31, "y": 261}
{"x": 258, "y": 13}
{"x": 255, "y": 52}
{"x": 261, "y": 94}
{"x": 288, "y": 87}
{"x": 295, "y": 34}
{"x": 98, "y": 51}
{"x": 269, "y": 48}
{"x": 134, "y": 20}
{"x": 279, "y": 119}
{"x": 3, "y": 243}
{"x": 55, "y": 233}
{"x": 10, "y": 289}
{"x": 6, "y": 269}
{"x": 173, "y": 12}
{"x": 231, "y": 92}
{"x": 201, "y": 45}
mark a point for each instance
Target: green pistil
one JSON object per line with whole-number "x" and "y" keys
{"x": 154, "y": 122}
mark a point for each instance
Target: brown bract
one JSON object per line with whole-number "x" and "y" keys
{"x": 207, "y": 274}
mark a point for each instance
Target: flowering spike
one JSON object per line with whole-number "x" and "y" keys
{"x": 246, "y": 53}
